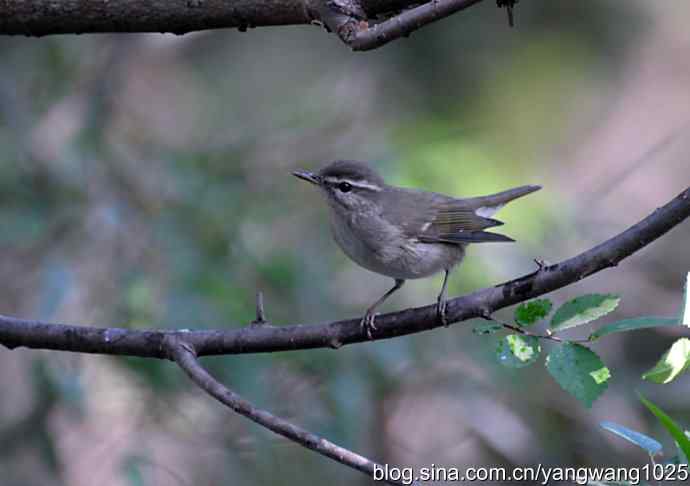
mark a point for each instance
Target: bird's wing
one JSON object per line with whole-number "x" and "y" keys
{"x": 463, "y": 220}
{"x": 458, "y": 221}
{"x": 432, "y": 217}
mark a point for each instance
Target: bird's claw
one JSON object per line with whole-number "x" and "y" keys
{"x": 367, "y": 323}
{"x": 441, "y": 309}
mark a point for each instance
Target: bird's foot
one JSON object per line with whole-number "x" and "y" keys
{"x": 441, "y": 308}
{"x": 367, "y": 323}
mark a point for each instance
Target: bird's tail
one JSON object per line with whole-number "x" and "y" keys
{"x": 494, "y": 202}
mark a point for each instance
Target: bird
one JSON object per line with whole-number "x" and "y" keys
{"x": 404, "y": 233}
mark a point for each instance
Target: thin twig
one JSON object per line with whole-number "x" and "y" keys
{"x": 649, "y": 156}
{"x": 260, "y": 314}
{"x": 183, "y": 354}
{"x": 16, "y": 332}
{"x": 525, "y": 332}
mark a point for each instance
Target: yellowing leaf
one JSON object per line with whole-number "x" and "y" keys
{"x": 517, "y": 351}
{"x": 674, "y": 362}
{"x": 582, "y": 310}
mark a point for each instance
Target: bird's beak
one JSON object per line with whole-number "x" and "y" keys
{"x": 307, "y": 176}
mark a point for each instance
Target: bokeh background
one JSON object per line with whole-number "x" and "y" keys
{"x": 145, "y": 182}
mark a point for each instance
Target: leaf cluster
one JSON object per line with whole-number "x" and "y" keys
{"x": 573, "y": 363}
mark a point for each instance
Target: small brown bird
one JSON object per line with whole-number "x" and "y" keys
{"x": 404, "y": 233}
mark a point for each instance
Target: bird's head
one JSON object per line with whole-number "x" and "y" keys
{"x": 347, "y": 184}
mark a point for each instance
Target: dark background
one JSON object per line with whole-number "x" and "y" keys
{"x": 145, "y": 182}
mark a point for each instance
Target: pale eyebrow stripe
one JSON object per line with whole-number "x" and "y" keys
{"x": 358, "y": 184}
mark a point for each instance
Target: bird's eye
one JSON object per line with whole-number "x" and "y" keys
{"x": 345, "y": 187}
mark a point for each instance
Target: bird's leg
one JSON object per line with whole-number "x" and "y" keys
{"x": 368, "y": 319}
{"x": 441, "y": 300}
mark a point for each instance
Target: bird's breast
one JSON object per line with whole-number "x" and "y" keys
{"x": 380, "y": 247}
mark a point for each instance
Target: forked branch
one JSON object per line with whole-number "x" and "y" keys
{"x": 361, "y": 35}
{"x": 183, "y": 354}
{"x": 361, "y": 24}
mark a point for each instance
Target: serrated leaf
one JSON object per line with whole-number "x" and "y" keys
{"x": 685, "y": 309}
{"x": 674, "y": 362}
{"x": 582, "y": 310}
{"x": 633, "y": 325}
{"x": 518, "y": 351}
{"x": 650, "y": 445}
{"x": 670, "y": 425}
{"x": 530, "y": 312}
{"x": 579, "y": 371}
{"x": 487, "y": 328}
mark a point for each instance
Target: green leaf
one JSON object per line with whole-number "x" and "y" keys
{"x": 579, "y": 371}
{"x": 582, "y": 310}
{"x": 487, "y": 328}
{"x": 633, "y": 325}
{"x": 652, "y": 446}
{"x": 528, "y": 313}
{"x": 671, "y": 426}
{"x": 685, "y": 310}
{"x": 681, "y": 457}
{"x": 518, "y": 351}
{"x": 674, "y": 362}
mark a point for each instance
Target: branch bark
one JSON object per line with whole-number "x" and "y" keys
{"x": 263, "y": 338}
{"x": 357, "y": 22}
{"x": 46, "y": 17}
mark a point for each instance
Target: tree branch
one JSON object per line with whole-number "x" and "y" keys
{"x": 267, "y": 338}
{"x": 183, "y": 354}
{"x": 361, "y": 37}
{"x": 361, "y": 24}
{"x": 47, "y": 17}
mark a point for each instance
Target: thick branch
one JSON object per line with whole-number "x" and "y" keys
{"x": 183, "y": 354}
{"x": 265, "y": 338}
{"x": 45, "y": 17}
{"x": 352, "y": 20}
